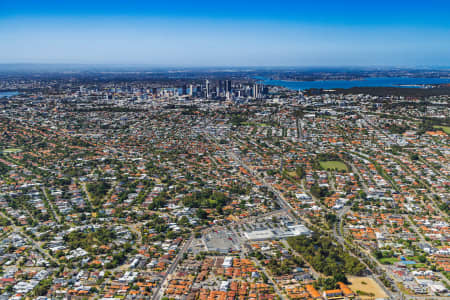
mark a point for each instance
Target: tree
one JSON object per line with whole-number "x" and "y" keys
{"x": 300, "y": 171}
{"x": 319, "y": 192}
{"x": 201, "y": 214}
{"x": 340, "y": 277}
{"x": 331, "y": 218}
{"x": 3, "y": 168}
{"x": 422, "y": 259}
{"x": 42, "y": 288}
{"x": 414, "y": 156}
{"x": 184, "y": 221}
{"x": 326, "y": 257}
{"x": 9, "y": 288}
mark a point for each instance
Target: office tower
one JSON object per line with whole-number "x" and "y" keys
{"x": 191, "y": 90}
{"x": 255, "y": 92}
{"x": 228, "y": 85}
{"x": 207, "y": 88}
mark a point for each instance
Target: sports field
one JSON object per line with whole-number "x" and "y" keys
{"x": 388, "y": 260}
{"x": 333, "y": 165}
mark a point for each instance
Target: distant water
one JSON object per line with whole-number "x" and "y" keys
{"x": 367, "y": 82}
{"x": 8, "y": 94}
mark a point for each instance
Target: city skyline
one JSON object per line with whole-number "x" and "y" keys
{"x": 200, "y": 33}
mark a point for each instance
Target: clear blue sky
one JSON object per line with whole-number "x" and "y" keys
{"x": 226, "y": 33}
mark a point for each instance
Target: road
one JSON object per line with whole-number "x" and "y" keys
{"x": 88, "y": 195}
{"x": 30, "y": 240}
{"x": 277, "y": 290}
{"x": 50, "y": 203}
{"x": 422, "y": 240}
{"x": 406, "y": 169}
{"x": 337, "y": 228}
{"x": 160, "y": 290}
{"x": 339, "y": 236}
{"x": 285, "y": 205}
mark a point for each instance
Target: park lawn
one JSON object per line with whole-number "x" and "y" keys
{"x": 255, "y": 124}
{"x": 158, "y": 180}
{"x": 446, "y": 129}
{"x": 415, "y": 258}
{"x": 291, "y": 173}
{"x": 388, "y": 260}
{"x": 11, "y": 150}
{"x": 333, "y": 165}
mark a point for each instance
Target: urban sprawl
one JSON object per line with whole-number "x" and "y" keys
{"x": 220, "y": 189}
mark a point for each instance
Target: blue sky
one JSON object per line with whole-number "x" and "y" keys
{"x": 226, "y": 33}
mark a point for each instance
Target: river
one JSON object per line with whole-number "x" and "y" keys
{"x": 8, "y": 94}
{"x": 366, "y": 82}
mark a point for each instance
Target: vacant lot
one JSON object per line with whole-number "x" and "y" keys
{"x": 333, "y": 165}
{"x": 367, "y": 286}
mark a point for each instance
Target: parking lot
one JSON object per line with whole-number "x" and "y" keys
{"x": 223, "y": 241}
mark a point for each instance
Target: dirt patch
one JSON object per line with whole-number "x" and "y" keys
{"x": 368, "y": 288}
